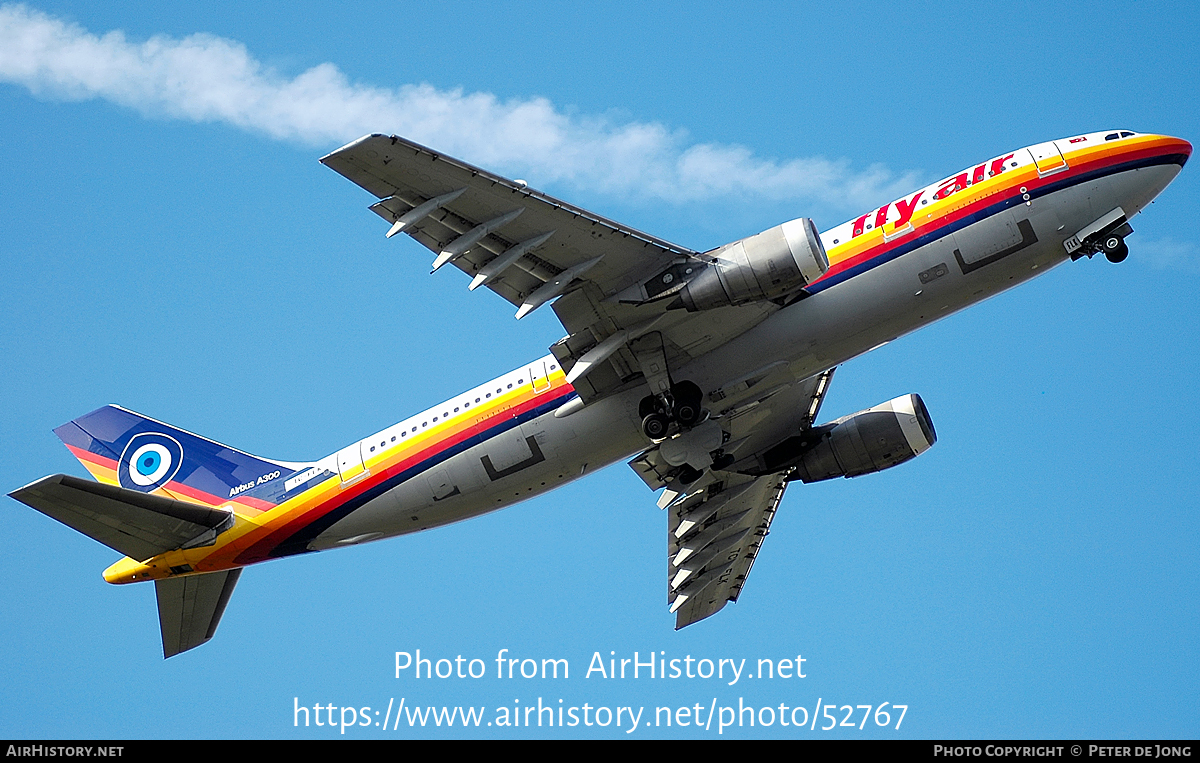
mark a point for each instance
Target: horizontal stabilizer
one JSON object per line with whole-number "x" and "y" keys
{"x": 138, "y": 525}
{"x": 190, "y": 608}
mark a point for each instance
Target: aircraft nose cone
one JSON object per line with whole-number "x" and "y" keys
{"x": 1172, "y": 145}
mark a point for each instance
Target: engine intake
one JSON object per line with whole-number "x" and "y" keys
{"x": 861, "y": 443}
{"x": 761, "y": 267}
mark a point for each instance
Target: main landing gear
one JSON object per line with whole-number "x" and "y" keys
{"x": 683, "y": 404}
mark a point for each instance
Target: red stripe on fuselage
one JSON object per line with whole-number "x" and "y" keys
{"x": 262, "y": 548}
{"x": 1078, "y": 166}
{"x": 178, "y": 489}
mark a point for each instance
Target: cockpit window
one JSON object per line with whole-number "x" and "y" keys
{"x": 1116, "y": 135}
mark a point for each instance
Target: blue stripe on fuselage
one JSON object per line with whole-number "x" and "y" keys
{"x": 297, "y": 543}
{"x": 1014, "y": 200}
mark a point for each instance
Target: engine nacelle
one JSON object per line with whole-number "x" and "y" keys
{"x": 861, "y": 443}
{"x": 768, "y": 265}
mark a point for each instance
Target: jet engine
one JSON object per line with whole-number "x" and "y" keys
{"x": 861, "y": 443}
{"x": 768, "y": 265}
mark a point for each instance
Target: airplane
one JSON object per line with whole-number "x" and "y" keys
{"x": 705, "y": 370}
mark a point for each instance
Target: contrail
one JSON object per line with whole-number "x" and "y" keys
{"x": 204, "y": 78}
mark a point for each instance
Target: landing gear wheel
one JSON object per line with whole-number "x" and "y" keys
{"x": 687, "y": 413}
{"x": 1115, "y": 249}
{"x": 687, "y": 475}
{"x": 655, "y": 426}
{"x": 689, "y": 403}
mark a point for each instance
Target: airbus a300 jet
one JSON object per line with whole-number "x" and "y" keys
{"x": 706, "y": 370}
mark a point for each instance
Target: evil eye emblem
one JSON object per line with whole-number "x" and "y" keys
{"x": 149, "y": 462}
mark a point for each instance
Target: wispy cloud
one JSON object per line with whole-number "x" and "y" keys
{"x": 204, "y": 78}
{"x": 1168, "y": 254}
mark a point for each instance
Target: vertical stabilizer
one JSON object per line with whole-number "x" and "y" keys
{"x": 120, "y": 447}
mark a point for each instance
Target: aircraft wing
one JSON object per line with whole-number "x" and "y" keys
{"x": 716, "y": 526}
{"x": 532, "y": 249}
{"x": 715, "y": 534}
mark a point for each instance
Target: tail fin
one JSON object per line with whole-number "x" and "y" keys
{"x": 120, "y": 447}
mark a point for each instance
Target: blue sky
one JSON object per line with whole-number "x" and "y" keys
{"x": 171, "y": 244}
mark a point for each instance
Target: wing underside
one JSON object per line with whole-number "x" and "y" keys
{"x": 533, "y": 249}
{"x": 715, "y": 535}
{"x": 717, "y": 524}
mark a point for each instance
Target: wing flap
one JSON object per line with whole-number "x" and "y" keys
{"x": 138, "y": 525}
{"x": 190, "y": 608}
{"x": 449, "y": 207}
{"x": 707, "y": 565}
{"x": 757, "y": 411}
{"x": 406, "y": 175}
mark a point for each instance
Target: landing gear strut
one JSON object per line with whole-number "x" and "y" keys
{"x": 683, "y": 403}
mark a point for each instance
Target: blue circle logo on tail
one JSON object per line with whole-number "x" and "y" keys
{"x": 150, "y": 461}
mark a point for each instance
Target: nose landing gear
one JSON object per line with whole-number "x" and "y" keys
{"x": 1105, "y": 235}
{"x": 1114, "y": 247}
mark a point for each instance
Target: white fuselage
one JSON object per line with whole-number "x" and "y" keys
{"x": 838, "y": 322}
